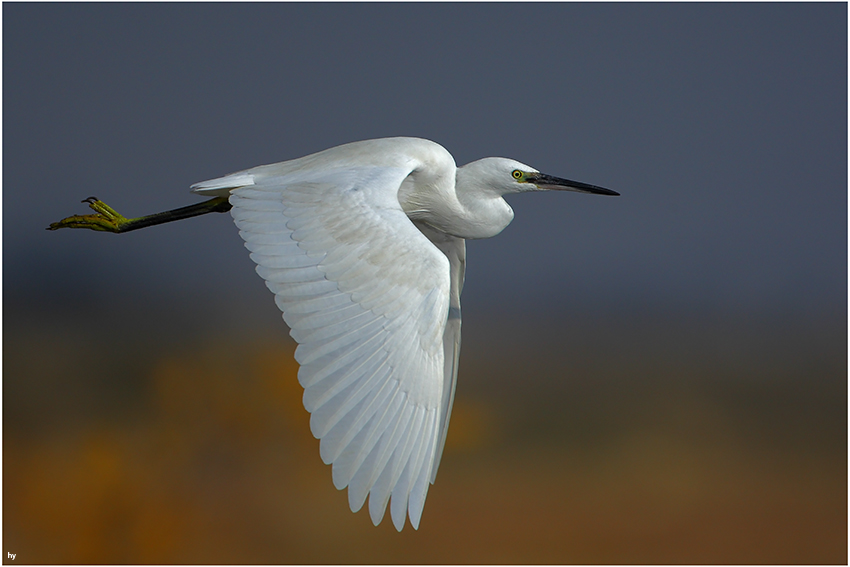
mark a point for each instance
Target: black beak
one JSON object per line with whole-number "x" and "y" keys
{"x": 549, "y": 182}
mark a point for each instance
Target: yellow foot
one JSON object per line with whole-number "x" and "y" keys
{"x": 105, "y": 219}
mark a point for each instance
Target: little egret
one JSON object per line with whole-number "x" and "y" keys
{"x": 363, "y": 246}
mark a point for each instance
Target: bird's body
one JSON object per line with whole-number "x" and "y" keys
{"x": 427, "y": 189}
{"x": 363, "y": 246}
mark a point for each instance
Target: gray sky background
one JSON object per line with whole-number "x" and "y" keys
{"x": 722, "y": 125}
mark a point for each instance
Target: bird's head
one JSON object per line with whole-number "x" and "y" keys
{"x": 503, "y": 176}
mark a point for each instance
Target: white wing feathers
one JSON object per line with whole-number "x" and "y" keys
{"x": 455, "y": 250}
{"x": 367, "y": 297}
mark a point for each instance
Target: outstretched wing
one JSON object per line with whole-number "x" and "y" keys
{"x": 367, "y": 298}
{"x": 455, "y": 250}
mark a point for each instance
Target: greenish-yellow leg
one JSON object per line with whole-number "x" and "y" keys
{"x": 106, "y": 219}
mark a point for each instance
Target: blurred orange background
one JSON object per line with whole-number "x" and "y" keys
{"x": 654, "y": 445}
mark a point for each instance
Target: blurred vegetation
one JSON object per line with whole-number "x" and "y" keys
{"x": 634, "y": 440}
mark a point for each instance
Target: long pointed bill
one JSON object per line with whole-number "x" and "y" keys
{"x": 552, "y": 183}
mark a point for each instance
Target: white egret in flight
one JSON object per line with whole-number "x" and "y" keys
{"x": 363, "y": 246}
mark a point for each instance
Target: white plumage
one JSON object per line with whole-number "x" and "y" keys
{"x": 363, "y": 248}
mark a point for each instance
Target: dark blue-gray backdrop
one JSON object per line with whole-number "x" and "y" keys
{"x": 715, "y": 286}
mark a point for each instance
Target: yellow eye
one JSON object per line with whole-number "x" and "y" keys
{"x": 517, "y": 174}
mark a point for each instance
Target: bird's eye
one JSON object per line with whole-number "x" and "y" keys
{"x": 517, "y": 174}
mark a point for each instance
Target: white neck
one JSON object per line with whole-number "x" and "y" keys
{"x": 466, "y": 208}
